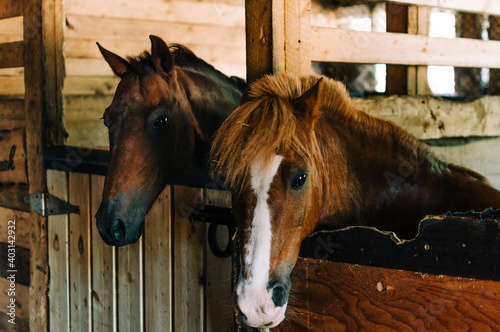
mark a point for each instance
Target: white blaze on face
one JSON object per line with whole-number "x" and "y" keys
{"x": 254, "y": 300}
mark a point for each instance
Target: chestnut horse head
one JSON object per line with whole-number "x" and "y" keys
{"x": 160, "y": 123}
{"x": 299, "y": 157}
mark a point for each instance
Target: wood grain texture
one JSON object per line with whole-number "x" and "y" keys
{"x": 12, "y": 55}
{"x": 364, "y": 47}
{"x": 220, "y": 313}
{"x": 188, "y": 262}
{"x": 12, "y": 113}
{"x": 79, "y": 253}
{"x": 103, "y": 268}
{"x": 54, "y": 70}
{"x": 34, "y": 107}
{"x": 11, "y": 8}
{"x": 130, "y": 304}
{"x": 259, "y": 38}
{"x": 338, "y": 296}
{"x": 13, "y": 156}
{"x": 158, "y": 265}
{"x": 58, "y": 252}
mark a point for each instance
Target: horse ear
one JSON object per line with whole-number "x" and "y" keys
{"x": 161, "y": 56}
{"x": 119, "y": 65}
{"x": 308, "y": 104}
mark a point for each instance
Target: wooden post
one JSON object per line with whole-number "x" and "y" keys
{"x": 494, "y": 34}
{"x": 402, "y": 79}
{"x": 468, "y": 80}
{"x": 418, "y": 24}
{"x": 54, "y": 70}
{"x": 34, "y": 107}
{"x": 277, "y": 37}
{"x": 397, "y": 21}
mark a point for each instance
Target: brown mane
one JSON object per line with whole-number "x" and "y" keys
{"x": 265, "y": 124}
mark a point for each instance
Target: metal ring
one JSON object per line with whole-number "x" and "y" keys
{"x": 214, "y": 244}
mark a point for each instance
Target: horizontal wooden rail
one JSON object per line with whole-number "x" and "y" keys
{"x": 475, "y": 6}
{"x": 343, "y": 45}
{"x": 95, "y": 161}
{"x": 11, "y": 8}
{"x": 12, "y": 55}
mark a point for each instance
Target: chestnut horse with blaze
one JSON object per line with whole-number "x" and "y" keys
{"x": 299, "y": 157}
{"x": 161, "y": 122}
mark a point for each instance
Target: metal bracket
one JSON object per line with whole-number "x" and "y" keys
{"x": 216, "y": 216}
{"x": 46, "y": 204}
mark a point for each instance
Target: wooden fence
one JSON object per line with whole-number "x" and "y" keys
{"x": 168, "y": 281}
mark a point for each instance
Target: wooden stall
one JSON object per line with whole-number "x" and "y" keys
{"x": 54, "y": 87}
{"x": 332, "y": 293}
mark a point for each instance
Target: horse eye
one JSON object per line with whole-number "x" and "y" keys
{"x": 298, "y": 181}
{"x": 161, "y": 122}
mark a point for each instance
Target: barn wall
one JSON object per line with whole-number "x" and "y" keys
{"x": 214, "y": 30}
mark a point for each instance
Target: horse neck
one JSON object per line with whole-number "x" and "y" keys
{"x": 391, "y": 181}
{"x": 212, "y": 97}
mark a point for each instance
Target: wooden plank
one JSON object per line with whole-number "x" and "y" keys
{"x": 225, "y": 63}
{"x": 103, "y": 268}
{"x": 22, "y": 300}
{"x": 20, "y": 266}
{"x": 259, "y": 38}
{"x": 79, "y": 253}
{"x": 13, "y": 156}
{"x": 21, "y": 324}
{"x": 11, "y": 8}
{"x": 158, "y": 265}
{"x": 79, "y": 48}
{"x": 12, "y": 27}
{"x": 12, "y": 54}
{"x": 480, "y": 6}
{"x": 339, "y": 296}
{"x": 220, "y": 313}
{"x": 22, "y": 233}
{"x": 429, "y": 117}
{"x": 104, "y": 29}
{"x": 479, "y": 155}
{"x": 57, "y": 183}
{"x": 364, "y": 47}
{"x": 130, "y": 304}
{"x": 188, "y": 262}
{"x": 34, "y": 106}
{"x": 12, "y": 113}
{"x": 396, "y": 75}
{"x": 194, "y": 12}
{"x": 53, "y": 32}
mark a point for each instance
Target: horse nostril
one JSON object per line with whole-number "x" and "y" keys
{"x": 279, "y": 297}
{"x": 118, "y": 230}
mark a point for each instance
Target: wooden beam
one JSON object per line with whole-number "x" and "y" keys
{"x": 259, "y": 38}
{"x": 35, "y": 107}
{"x": 396, "y": 48}
{"x": 397, "y": 75}
{"x": 479, "y": 6}
{"x": 12, "y": 55}
{"x": 277, "y": 37}
{"x": 429, "y": 117}
{"x": 11, "y": 8}
{"x": 54, "y": 68}
{"x": 12, "y": 113}
{"x": 58, "y": 256}
{"x": 370, "y": 298}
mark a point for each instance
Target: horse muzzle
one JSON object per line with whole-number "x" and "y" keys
{"x": 261, "y": 306}
{"x": 118, "y": 227}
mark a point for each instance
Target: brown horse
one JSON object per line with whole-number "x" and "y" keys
{"x": 161, "y": 122}
{"x": 299, "y": 157}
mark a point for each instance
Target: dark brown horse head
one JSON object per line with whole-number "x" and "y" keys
{"x": 160, "y": 122}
